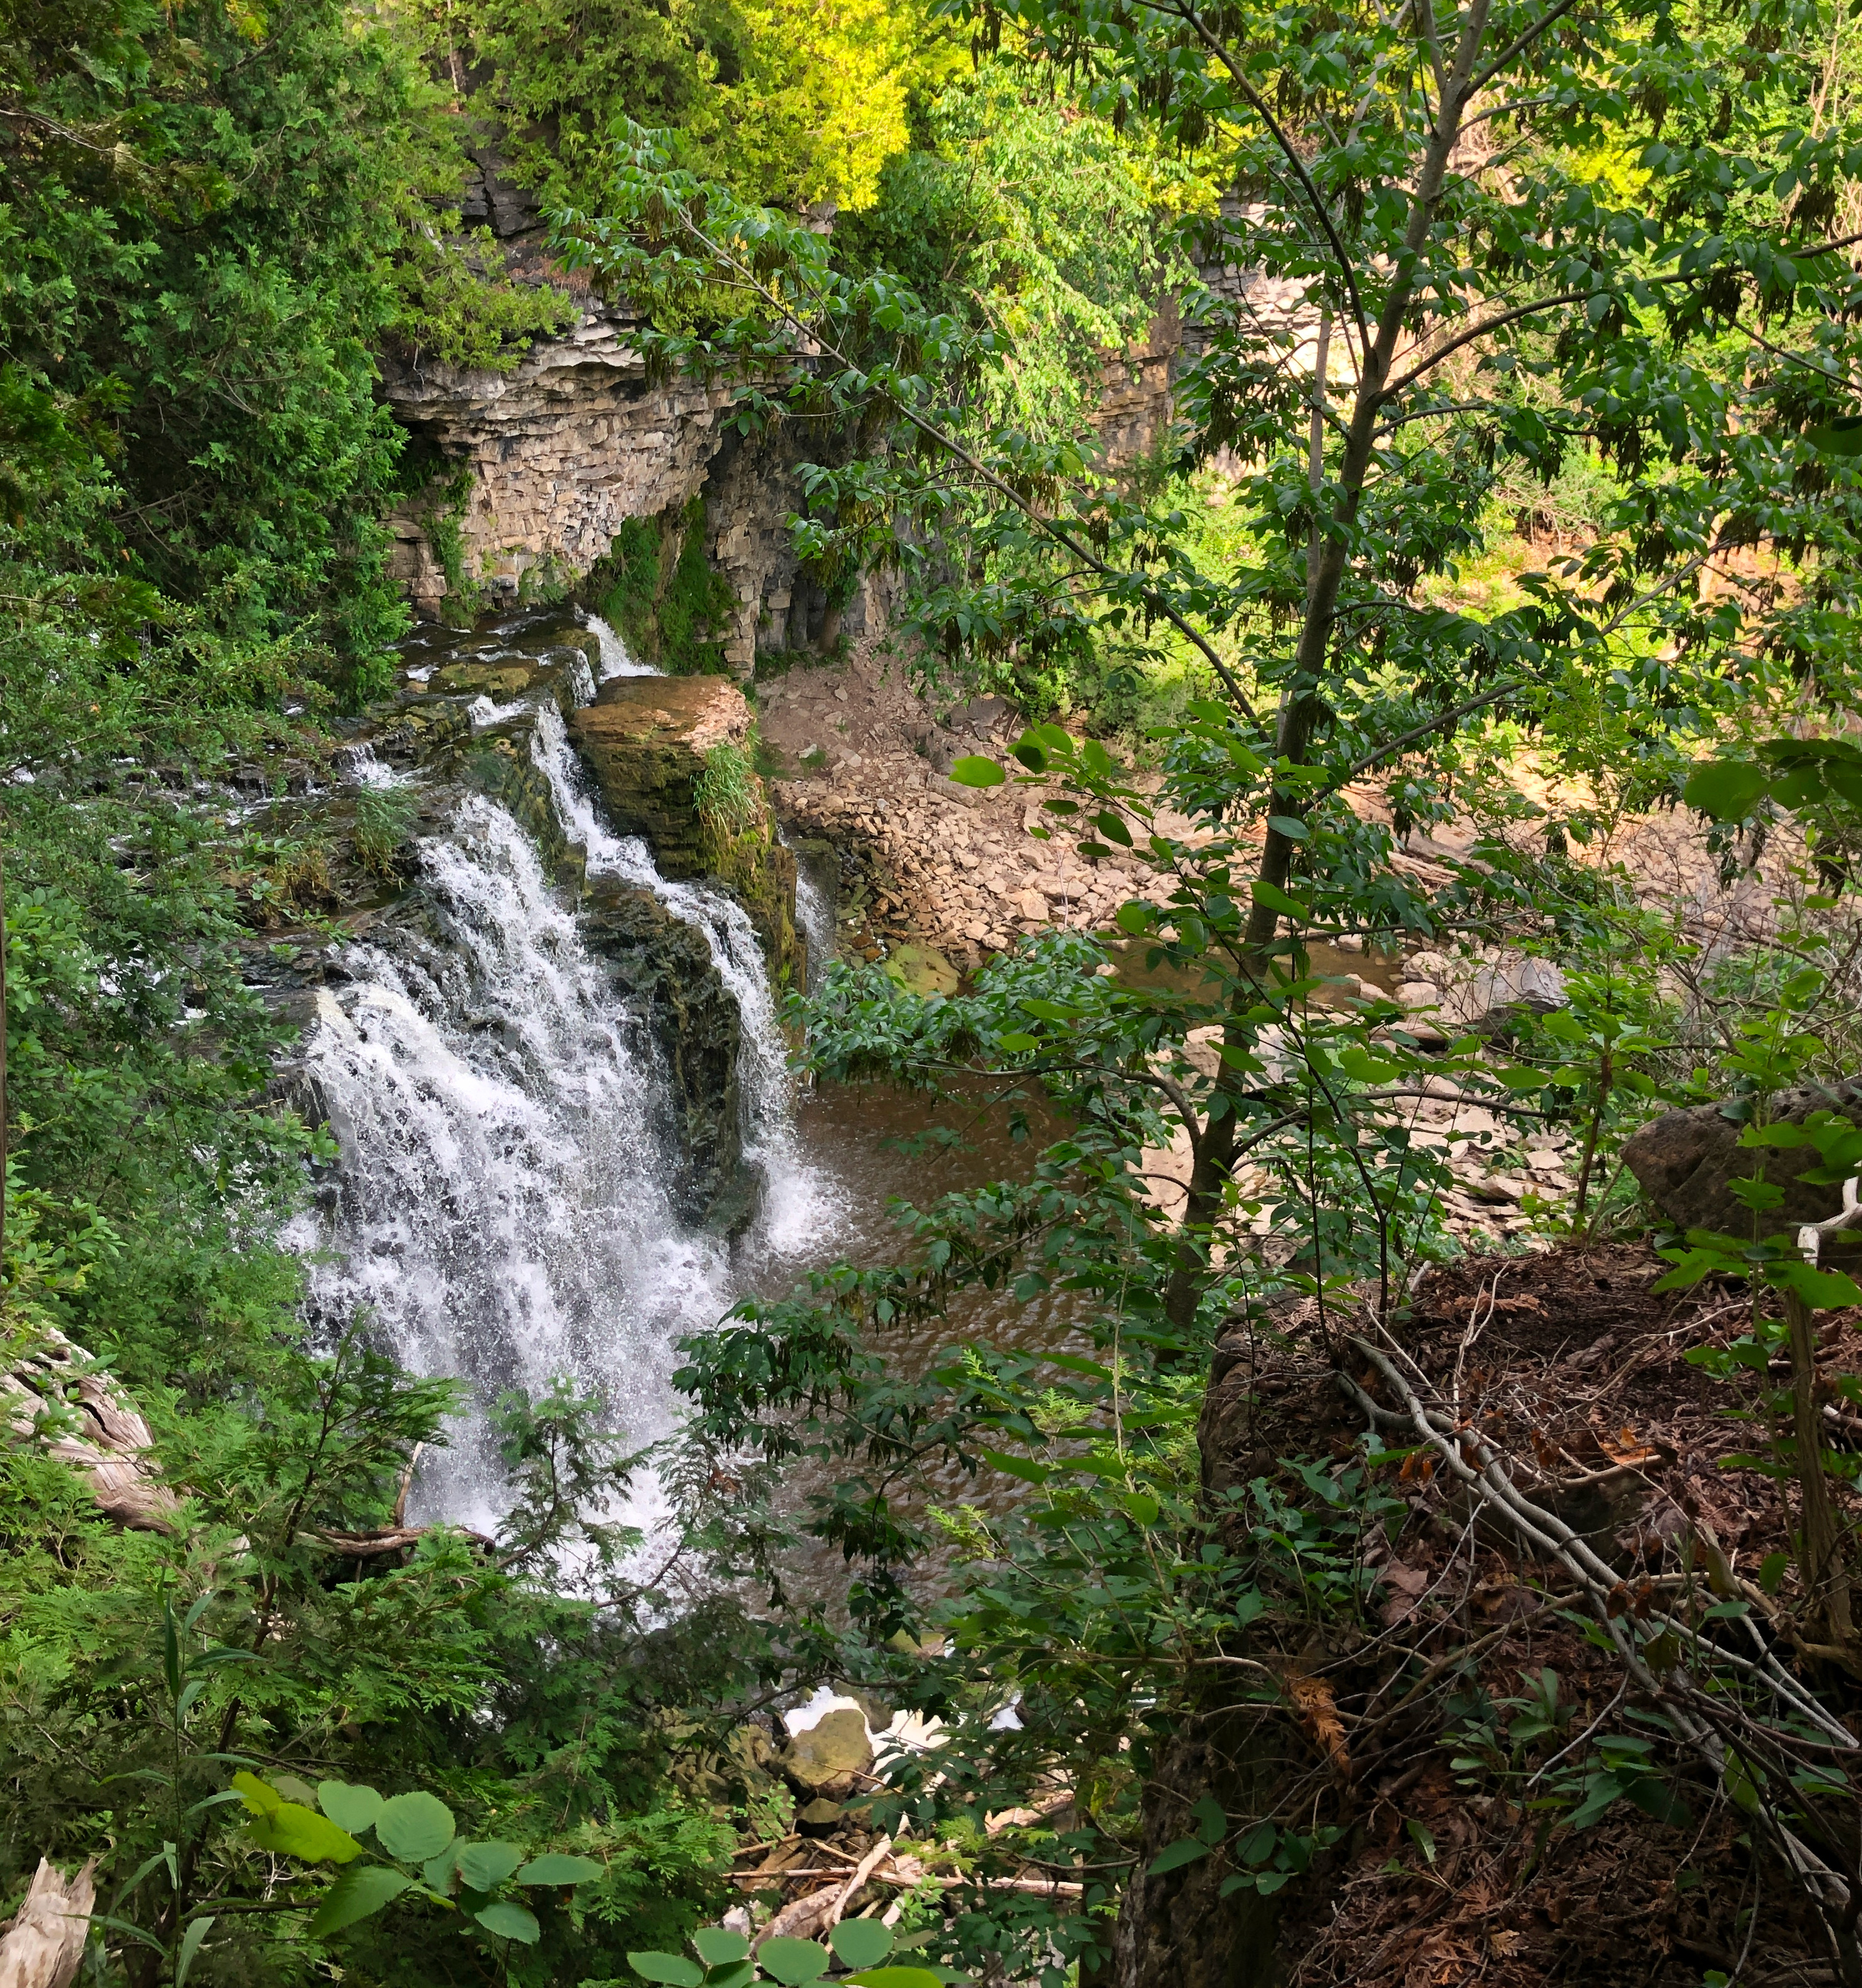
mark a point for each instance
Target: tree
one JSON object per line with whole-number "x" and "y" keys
{"x": 1513, "y": 236}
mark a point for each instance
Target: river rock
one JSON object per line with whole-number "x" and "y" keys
{"x": 830, "y": 1759}
{"x": 1684, "y": 1161}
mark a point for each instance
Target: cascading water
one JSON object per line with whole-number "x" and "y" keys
{"x": 814, "y": 916}
{"x": 500, "y": 1206}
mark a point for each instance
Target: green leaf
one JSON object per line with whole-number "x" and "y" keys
{"x": 1728, "y": 789}
{"x": 974, "y": 771}
{"x": 1015, "y": 1042}
{"x": 508, "y": 1920}
{"x": 1822, "y": 1290}
{"x": 1112, "y": 828}
{"x": 554, "y": 1868}
{"x": 348, "y": 1805}
{"x": 1736, "y": 1777}
{"x": 1133, "y": 917}
{"x": 414, "y": 1827}
{"x": 718, "y": 1946}
{"x": 1601, "y": 1791}
{"x": 894, "y": 1977}
{"x": 361, "y": 1890}
{"x": 291, "y": 1830}
{"x": 861, "y": 1942}
{"x": 793, "y": 1962}
{"x": 1288, "y": 825}
{"x": 196, "y": 1931}
{"x": 1023, "y": 1467}
{"x": 1841, "y": 437}
{"x": 486, "y": 1866}
{"x": 1140, "y": 1506}
{"x": 1422, "y": 1839}
{"x": 1277, "y": 900}
{"x": 259, "y": 1799}
{"x": 295, "y": 1790}
{"x": 671, "y": 1968}
{"x": 1186, "y": 1850}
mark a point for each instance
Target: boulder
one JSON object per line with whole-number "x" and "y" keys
{"x": 1684, "y": 1161}
{"x": 645, "y": 739}
{"x": 830, "y": 1759}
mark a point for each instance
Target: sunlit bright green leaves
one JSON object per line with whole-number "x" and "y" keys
{"x": 290, "y": 1829}
{"x": 974, "y": 771}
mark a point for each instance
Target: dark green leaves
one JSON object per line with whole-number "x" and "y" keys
{"x": 1185, "y": 1850}
{"x": 506, "y": 1919}
{"x": 356, "y": 1895}
{"x": 1796, "y": 773}
{"x": 1841, "y": 437}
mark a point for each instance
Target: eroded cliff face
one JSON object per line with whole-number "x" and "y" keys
{"x": 535, "y": 471}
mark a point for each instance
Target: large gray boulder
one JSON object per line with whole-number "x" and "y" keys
{"x": 1686, "y": 1162}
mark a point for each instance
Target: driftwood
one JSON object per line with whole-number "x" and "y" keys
{"x": 43, "y": 1945}
{"x": 99, "y": 1434}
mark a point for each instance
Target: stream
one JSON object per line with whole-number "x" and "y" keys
{"x": 501, "y": 1210}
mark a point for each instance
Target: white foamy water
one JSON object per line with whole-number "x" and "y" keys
{"x": 615, "y": 659}
{"x": 501, "y": 1205}
{"x": 814, "y": 920}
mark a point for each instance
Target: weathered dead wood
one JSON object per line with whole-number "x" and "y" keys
{"x": 100, "y": 1434}
{"x": 43, "y": 1944}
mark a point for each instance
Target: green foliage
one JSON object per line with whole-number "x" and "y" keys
{"x": 660, "y": 591}
{"x": 729, "y": 796}
{"x": 384, "y": 817}
{"x": 725, "y": 1961}
{"x": 791, "y": 104}
{"x": 455, "y": 306}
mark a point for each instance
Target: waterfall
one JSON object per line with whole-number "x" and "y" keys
{"x": 814, "y": 917}
{"x": 615, "y": 659}
{"x": 500, "y": 1205}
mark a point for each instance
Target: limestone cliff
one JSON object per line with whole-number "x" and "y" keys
{"x": 534, "y": 473}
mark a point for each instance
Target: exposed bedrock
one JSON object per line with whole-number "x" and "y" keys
{"x": 649, "y": 742}
{"x": 534, "y": 473}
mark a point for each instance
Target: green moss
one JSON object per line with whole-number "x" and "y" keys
{"x": 668, "y": 602}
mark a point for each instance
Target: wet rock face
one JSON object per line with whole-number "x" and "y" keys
{"x": 645, "y": 740}
{"x": 1685, "y": 1161}
{"x": 663, "y": 971}
{"x": 830, "y": 1759}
